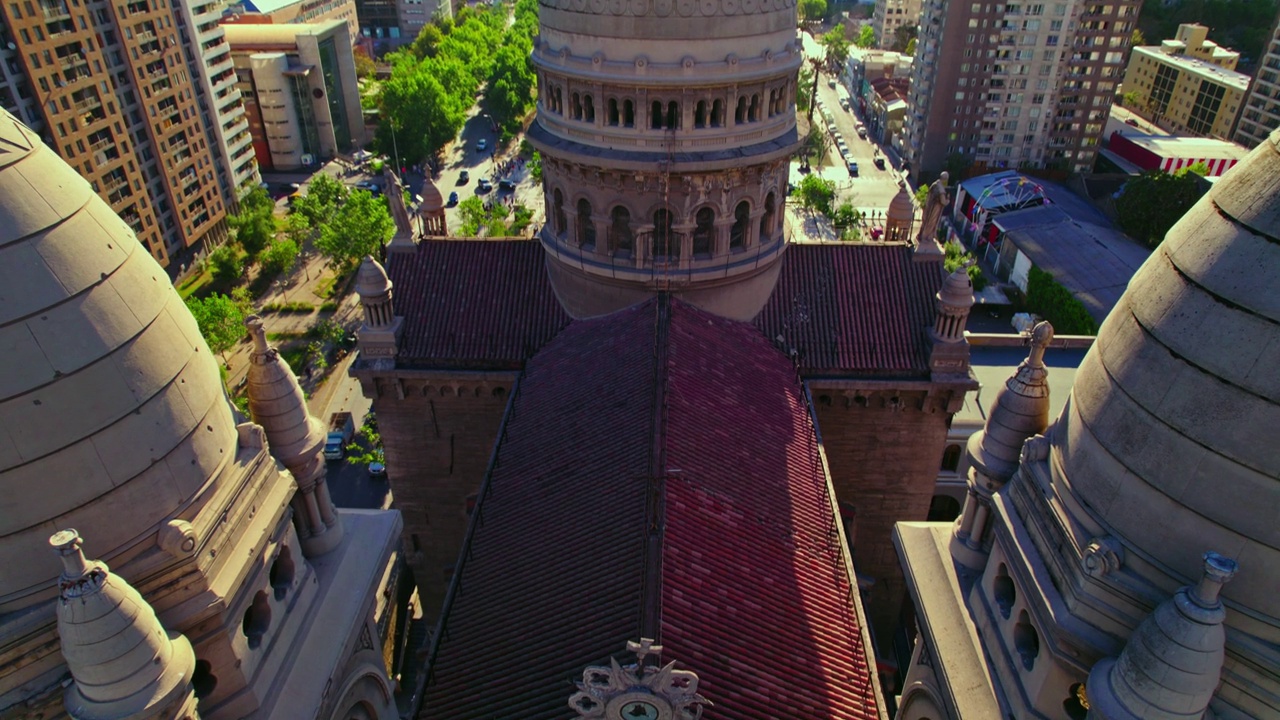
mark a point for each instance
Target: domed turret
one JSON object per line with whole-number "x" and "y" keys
{"x": 431, "y": 210}
{"x": 123, "y": 662}
{"x": 665, "y": 128}
{"x": 901, "y": 217}
{"x": 114, "y": 413}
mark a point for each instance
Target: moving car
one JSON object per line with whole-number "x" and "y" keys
{"x": 506, "y": 185}
{"x": 879, "y": 161}
{"x": 453, "y": 199}
{"x": 372, "y": 187}
{"x": 853, "y": 169}
{"x": 482, "y": 144}
{"x": 862, "y": 132}
{"x": 464, "y": 177}
{"x": 377, "y": 471}
{"x": 483, "y": 186}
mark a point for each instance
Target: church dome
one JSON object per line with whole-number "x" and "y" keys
{"x": 432, "y": 200}
{"x": 1169, "y": 436}
{"x": 112, "y": 412}
{"x": 902, "y": 208}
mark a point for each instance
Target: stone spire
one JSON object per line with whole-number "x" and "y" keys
{"x": 950, "y": 352}
{"x": 296, "y": 438}
{"x": 403, "y": 237}
{"x": 901, "y": 216}
{"x": 1020, "y": 411}
{"x": 431, "y": 211}
{"x": 1170, "y": 666}
{"x": 124, "y": 663}
{"x": 380, "y": 332}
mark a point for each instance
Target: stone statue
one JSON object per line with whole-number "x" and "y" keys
{"x": 395, "y": 198}
{"x": 933, "y": 206}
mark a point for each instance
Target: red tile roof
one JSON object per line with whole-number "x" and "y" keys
{"x": 473, "y": 303}
{"x": 853, "y": 309}
{"x": 658, "y": 475}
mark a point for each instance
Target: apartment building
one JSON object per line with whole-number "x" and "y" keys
{"x": 1181, "y": 93}
{"x": 1007, "y": 85}
{"x": 116, "y": 89}
{"x": 1261, "y": 112}
{"x": 890, "y": 15}
{"x": 300, "y": 90}
{"x": 295, "y": 12}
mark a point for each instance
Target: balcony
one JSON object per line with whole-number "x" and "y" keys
{"x": 85, "y": 105}
{"x": 55, "y": 11}
{"x": 71, "y": 61}
{"x": 111, "y": 183}
{"x": 102, "y": 144}
{"x": 161, "y": 84}
{"x": 134, "y": 8}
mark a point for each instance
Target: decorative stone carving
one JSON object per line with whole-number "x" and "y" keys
{"x": 1035, "y": 449}
{"x": 178, "y": 537}
{"x": 638, "y": 691}
{"x": 1102, "y": 556}
{"x": 251, "y": 435}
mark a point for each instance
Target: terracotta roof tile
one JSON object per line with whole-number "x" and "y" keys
{"x": 680, "y": 432}
{"x": 473, "y": 303}
{"x": 853, "y": 309}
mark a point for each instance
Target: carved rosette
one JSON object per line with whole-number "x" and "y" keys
{"x": 1103, "y": 556}
{"x": 639, "y": 691}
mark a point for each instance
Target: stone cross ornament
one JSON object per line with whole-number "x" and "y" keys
{"x": 639, "y": 691}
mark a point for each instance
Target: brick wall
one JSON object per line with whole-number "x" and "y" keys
{"x": 884, "y": 457}
{"x": 438, "y": 435}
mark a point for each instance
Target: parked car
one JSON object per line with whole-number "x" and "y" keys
{"x": 483, "y": 186}
{"x": 377, "y": 471}
{"x": 453, "y": 199}
{"x": 879, "y": 161}
{"x": 844, "y": 104}
{"x": 464, "y": 177}
{"x": 482, "y": 144}
{"x": 506, "y": 185}
{"x": 831, "y": 82}
{"x": 372, "y": 187}
{"x": 862, "y": 132}
{"x": 1132, "y": 122}
{"x": 853, "y": 169}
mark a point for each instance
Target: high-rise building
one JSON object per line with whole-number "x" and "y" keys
{"x": 1005, "y": 85}
{"x": 1261, "y": 112}
{"x": 119, "y": 91}
{"x": 1186, "y": 85}
{"x": 892, "y": 14}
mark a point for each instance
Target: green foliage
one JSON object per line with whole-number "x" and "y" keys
{"x": 296, "y": 307}
{"x": 845, "y": 216}
{"x": 359, "y": 227}
{"x": 424, "y": 114}
{"x": 922, "y": 195}
{"x": 243, "y": 300}
{"x": 1137, "y": 38}
{"x": 316, "y": 357}
{"x": 279, "y": 256}
{"x": 911, "y": 47}
{"x": 520, "y": 220}
{"x": 226, "y": 263}
{"x": 255, "y": 224}
{"x": 866, "y": 37}
{"x": 837, "y": 48}
{"x": 329, "y": 331}
{"x": 427, "y": 43}
{"x": 365, "y": 66}
{"x": 1152, "y": 202}
{"x": 329, "y": 306}
{"x": 813, "y": 10}
{"x": 977, "y": 278}
{"x": 368, "y": 445}
{"x": 957, "y": 257}
{"x": 324, "y": 195}
{"x": 804, "y": 88}
{"x": 1053, "y": 302}
{"x": 220, "y": 320}
{"x": 902, "y": 37}
{"x": 816, "y": 193}
{"x": 1131, "y": 99}
{"x": 1198, "y": 168}
{"x": 297, "y": 228}
{"x": 535, "y": 166}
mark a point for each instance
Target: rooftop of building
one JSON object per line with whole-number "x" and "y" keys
{"x": 275, "y": 36}
{"x": 646, "y": 510}
{"x": 994, "y": 365}
{"x": 1196, "y": 66}
{"x": 840, "y": 309}
{"x": 1184, "y": 146}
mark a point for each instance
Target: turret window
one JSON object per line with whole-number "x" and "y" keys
{"x": 611, "y": 113}
{"x": 740, "y": 113}
{"x": 655, "y": 115}
{"x": 558, "y": 217}
{"x": 704, "y": 233}
{"x": 700, "y": 114}
{"x": 588, "y": 108}
{"x": 717, "y": 114}
{"x": 768, "y": 219}
{"x": 621, "y": 239}
{"x": 586, "y": 227}
{"x": 575, "y": 106}
{"x": 753, "y": 112}
{"x": 738, "y": 234}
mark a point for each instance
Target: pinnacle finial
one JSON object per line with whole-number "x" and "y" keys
{"x": 1218, "y": 571}
{"x": 67, "y": 544}
{"x": 1041, "y": 336}
{"x": 259, "y": 333}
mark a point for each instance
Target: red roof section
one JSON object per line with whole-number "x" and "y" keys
{"x": 680, "y": 489}
{"x": 473, "y": 303}
{"x": 853, "y": 309}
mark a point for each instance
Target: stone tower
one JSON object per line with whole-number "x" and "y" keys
{"x": 431, "y": 211}
{"x": 665, "y": 129}
{"x": 901, "y": 217}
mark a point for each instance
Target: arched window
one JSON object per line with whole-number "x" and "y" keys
{"x": 282, "y": 573}
{"x": 203, "y": 681}
{"x": 740, "y": 114}
{"x": 612, "y": 117}
{"x": 738, "y": 235}
{"x": 768, "y": 218}
{"x": 700, "y": 114}
{"x": 665, "y": 242}
{"x": 588, "y": 108}
{"x": 257, "y": 619}
{"x": 1026, "y": 640}
{"x": 558, "y": 219}
{"x": 655, "y": 115}
{"x": 621, "y": 239}
{"x": 673, "y": 115}
{"x": 753, "y": 114}
{"x": 943, "y": 509}
{"x": 951, "y": 458}
{"x": 628, "y": 113}
{"x": 704, "y": 233}
{"x": 717, "y": 114}
{"x": 586, "y": 226}
{"x": 576, "y": 106}
{"x": 1003, "y": 591}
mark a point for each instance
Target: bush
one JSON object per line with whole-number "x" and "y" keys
{"x": 816, "y": 193}
{"x": 1053, "y": 302}
{"x": 279, "y": 256}
{"x": 329, "y": 306}
{"x": 295, "y": 307}
{"x": 226, "y": 264}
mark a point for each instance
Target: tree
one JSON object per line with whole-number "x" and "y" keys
{"x": 922, "y": 195}
{"x": 1149, "y": 204}
{"x": 837, "y": 48}
{"x": 845, "y": 216}
{"x": 510, "y": 90}
{"x": 368, "y": 446}
{"x": 805, "y": 88}
{"x": 226, "y": 264}
{"x": 911, "y": 47}
{"x": 428, "y": 41}
{"x": 866, "y": 37}
{"x": 1137, "y": 39}
{"x": 902, "y": 37}
{"x": 812, "y": 11}
{"x": 423, "y": 114}
{"x": 324, "y": 195}
{"x": 220, "y": 320}
{"x": 816, "y": 193}
{"x": 255, "y": 224}
{"x": 297, "y": 228}
{"x": 1131, "y": 99}
{"x": 279, "y": 256}
{"x": 361, "y": 226}
{"x": 365, "y": 66}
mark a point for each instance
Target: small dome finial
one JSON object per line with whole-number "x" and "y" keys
{"x": 1041, "y": 336}
{"x": 67, "y": 544}
{"x": 259, "y": 333}
{"x": 1218, "y": 571}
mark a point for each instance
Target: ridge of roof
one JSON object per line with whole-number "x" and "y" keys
{"x": 677, "y": 432}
